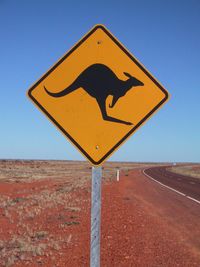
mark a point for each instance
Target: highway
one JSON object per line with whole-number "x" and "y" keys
{"x": 185, "y": 185}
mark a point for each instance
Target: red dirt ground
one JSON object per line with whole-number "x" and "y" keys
{"x": 46, "y": 222}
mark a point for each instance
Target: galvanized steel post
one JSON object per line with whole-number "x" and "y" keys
{"x": 95, "y": 217}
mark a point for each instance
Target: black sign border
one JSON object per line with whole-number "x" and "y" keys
{"x": 133, "y": 129}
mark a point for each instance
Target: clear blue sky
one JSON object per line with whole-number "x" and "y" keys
{"x": 163, "y": 35}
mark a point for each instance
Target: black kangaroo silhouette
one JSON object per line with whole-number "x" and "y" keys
{"x": 99, "y": 81}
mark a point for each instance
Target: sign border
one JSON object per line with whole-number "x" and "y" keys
{"x": 133, "y": 59}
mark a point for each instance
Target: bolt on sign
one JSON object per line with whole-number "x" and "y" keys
{"x": 98, "y": 94}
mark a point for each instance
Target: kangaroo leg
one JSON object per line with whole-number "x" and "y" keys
{"x": 102, "y": 106}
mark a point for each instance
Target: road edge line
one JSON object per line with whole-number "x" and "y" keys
{"x": 195, "y": 200}
{"x": 170, "y": 188}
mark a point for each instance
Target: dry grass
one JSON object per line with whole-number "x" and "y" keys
{"x": 25, "y": 248}
{"x": 189, "y": 170}
{"x": 34, "y": 170}
{"x": 28, "y": 237}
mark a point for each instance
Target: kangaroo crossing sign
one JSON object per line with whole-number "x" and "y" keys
{"x": 98, "y": 94}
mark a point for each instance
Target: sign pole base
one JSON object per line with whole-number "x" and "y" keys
{"x": 95, "y": 217}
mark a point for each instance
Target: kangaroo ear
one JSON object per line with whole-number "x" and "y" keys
{"x": 127, "y": 74}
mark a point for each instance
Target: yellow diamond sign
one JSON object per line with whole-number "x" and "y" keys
{"x": 98, "y": 94}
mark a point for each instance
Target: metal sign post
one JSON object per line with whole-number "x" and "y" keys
{"x": 95, "y": 217}
{"x": 102, "y": 67}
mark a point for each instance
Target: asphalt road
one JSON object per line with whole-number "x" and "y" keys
{"x": 184, "y": 184}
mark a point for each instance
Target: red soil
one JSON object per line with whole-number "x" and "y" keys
{"x": 47, "y": 223}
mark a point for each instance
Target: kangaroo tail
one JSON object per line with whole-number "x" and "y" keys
{"x": 66, "y": 91}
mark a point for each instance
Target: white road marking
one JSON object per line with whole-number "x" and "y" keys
{"x": 197, "y": 201}
{"x": 178, "y": 192}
